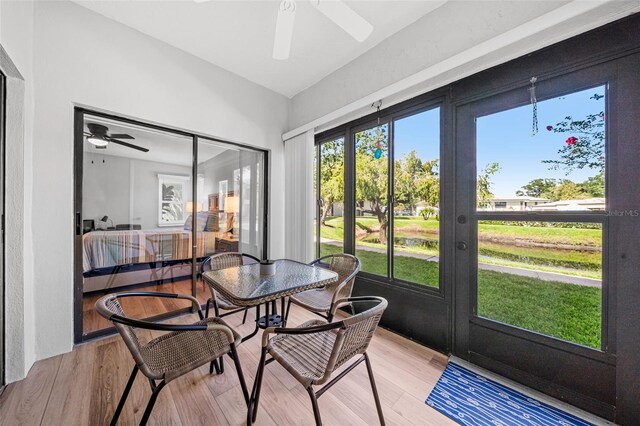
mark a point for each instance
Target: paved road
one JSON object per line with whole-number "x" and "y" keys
{"x": 541, "y": 275}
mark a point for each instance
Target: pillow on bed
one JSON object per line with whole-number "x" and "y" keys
{"x": 201, "y": 222}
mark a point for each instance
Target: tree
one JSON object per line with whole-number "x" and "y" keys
{"x": 372, "y": 175}
{"x": 483, "y": 188}
{"x": 567, "y": 190}
{"x": 538, "y": 187}
{"x": 331, "y": 176}
{"x": 594, "y": 186}
{"x": 416, "y": 180}
{"x": 586, "y": 143}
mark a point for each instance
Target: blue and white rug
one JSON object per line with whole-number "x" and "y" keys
{"x": 471, "y": 399}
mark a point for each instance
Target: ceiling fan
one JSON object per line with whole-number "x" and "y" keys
{"x": 336, "y": 10}
{"x": 99, "y": 137}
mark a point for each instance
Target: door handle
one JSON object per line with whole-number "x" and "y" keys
{"x": 462, "y": 245}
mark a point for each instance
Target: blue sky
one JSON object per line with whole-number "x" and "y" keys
{"x": 505, "y": 138}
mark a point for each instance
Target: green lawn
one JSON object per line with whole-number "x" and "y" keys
{"x": 566, "y": 311}
{"x": 518, "y": 246}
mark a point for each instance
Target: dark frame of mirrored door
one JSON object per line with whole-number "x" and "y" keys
{"x": 79, "y": 119}
{"x": 3, "y": 100}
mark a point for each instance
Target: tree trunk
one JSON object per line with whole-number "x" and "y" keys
{"x": 325, "y": 211}
{"x": 382, "y": 233}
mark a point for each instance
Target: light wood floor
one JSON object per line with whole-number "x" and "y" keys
{"x": 83, "y": 387}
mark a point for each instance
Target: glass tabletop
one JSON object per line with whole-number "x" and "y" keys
{"x": 244, "y": 286}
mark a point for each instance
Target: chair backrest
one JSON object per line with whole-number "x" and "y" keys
{"x": 346, "y": 266}
{"x": 223, "y": 261}
{"x": 109, "y": 305}
{"x": 355, "y": 336}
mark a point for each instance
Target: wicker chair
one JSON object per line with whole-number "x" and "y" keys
{"x": 320, "y": 301}
{"x": 219, "y": 302}
{"x": 313, "y": 351}
{"x": 165, "y": 358}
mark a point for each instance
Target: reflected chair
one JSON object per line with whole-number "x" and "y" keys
{"x": 320, "y": 301}
{"x": 184, "y": 348}
{"x": 316, "y": 349}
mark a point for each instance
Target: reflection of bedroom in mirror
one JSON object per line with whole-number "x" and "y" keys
{"x": 141, "y": 210}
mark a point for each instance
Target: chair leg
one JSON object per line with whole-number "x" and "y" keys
{"x": 206, "y": 314}
{"x": 286, "y": 316}
{"x": 353, "y": 309}
{"x": 374, "y": 389}
{"x": 123, "y": 398}
{"x": 151, "y": 403}
{"x": 244, "y": 317}
{"x": 257, "y": 385}
{"x": 214, "y": 365}
{"x": 236, "y": 361}
{"x": 221, "y": 362}
{"x": 314, "y": 403}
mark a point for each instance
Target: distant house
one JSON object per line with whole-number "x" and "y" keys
{"x": 515, "y": 203}
{"x": 591, "y": 204}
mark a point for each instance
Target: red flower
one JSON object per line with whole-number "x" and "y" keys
{"x": 571, "y": 140}
{"x": 549, "y": 128}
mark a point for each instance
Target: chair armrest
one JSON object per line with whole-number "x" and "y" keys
{"x": 356, "y": 299}
{"x": 147, "y": 325}
{"x": 299, "y": 330}
{"x": 193, "y": 300}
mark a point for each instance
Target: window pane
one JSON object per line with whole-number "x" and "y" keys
{"x": 372, "y": 219}
{"x": 560, "y": 168}
{"x": 542, "y": 276}
{"x": 331, "y": 197}
{"x": 416, "y": 224}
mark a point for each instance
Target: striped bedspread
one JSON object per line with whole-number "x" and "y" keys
{"x": 110, "y": 248}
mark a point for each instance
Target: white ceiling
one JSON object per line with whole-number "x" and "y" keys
{"x": 238, "y": 35}
{"x": 163, "y": 147}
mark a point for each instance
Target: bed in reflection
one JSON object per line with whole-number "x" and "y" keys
{"x": 117, "y": 258}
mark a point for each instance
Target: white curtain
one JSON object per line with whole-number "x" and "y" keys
{"x": 299, "y": 197}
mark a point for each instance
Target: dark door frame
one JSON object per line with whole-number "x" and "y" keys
{"x": 79, "y": 113}
{"x": 507, "y": 357}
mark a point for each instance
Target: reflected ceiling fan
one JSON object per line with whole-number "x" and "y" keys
{"x": 336, "y": 10}
{"x": 99, "y": 137}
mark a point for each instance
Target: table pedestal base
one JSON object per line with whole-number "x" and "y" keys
{"x": 274, "y": 321}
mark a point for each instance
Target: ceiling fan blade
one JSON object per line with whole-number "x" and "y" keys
{"x": 121, "y": 136}
{"x": 128, "y": 145}
{"x": 284, "y": 29}
{"x": 345, "y": 17}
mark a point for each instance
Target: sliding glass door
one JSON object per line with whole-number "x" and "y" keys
{"x": 151, "y": 205}
{"x": 229, "y": 203}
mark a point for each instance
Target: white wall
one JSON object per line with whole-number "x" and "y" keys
{"x": 125, "y": 190}
{"x": 84, "y": 58}
{"x": 453, "y": 42}
{"x": 16, "y": 37}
